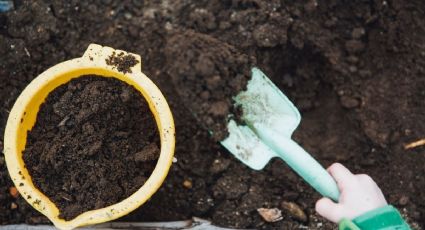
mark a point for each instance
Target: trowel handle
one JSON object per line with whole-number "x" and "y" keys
{"x": 305, "y": 165}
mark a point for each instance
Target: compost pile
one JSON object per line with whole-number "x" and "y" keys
{"x": 354, "y": 68}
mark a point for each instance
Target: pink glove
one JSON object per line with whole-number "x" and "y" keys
{"x": 359, "y": 194}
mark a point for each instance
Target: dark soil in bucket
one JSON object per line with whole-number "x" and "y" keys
{"x": 95, "y": 142}
{"x": 355, "y": 69}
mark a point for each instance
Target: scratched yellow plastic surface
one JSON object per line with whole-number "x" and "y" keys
{"x": 24, "y": 113}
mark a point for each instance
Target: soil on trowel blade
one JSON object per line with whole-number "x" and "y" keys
{"x": 207, "y": 74}
{"x": 95, "y": 142}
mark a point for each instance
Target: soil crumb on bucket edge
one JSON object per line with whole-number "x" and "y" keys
{"x": 122, "y": 62}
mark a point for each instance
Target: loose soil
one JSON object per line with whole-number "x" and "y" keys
{"x": 94, "y": 143}
{"x": 355, "y": 69}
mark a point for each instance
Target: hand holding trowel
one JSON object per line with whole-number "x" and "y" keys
{"x": 212, "y": 80}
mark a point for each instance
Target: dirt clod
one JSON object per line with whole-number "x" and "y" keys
{"x": 148, "y": 153}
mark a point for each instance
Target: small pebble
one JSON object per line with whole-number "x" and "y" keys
{"x": 13, "y": 192}
{"x": 403, "y": 200}
{"x": 187, "y": 184}
{"x": 168, "y": 26}
{"x": 13, "y": 206}
{"x": 270, "y": 214}
{"x": 294, "y": 210}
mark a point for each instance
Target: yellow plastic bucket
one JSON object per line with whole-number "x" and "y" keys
{"x": 24, "y": 114}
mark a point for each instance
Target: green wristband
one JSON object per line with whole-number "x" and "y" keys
{"x": 385, "y": 218}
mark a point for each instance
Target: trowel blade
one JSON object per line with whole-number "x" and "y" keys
{"x": 244, "y": 144}
{"x": 263, "y": 106}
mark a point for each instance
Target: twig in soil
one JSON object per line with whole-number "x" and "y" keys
{"x": 415, "y": 144}
{"x": 65, "y": 198}
{"x": 27, "y": 52}
{"x": 62, "y": 123}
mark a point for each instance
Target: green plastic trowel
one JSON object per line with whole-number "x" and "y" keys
{"x": 270, "y": 119}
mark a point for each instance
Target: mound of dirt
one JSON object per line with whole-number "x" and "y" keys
{"x": 207, "y": 74}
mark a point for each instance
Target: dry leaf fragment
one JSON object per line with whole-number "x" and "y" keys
{"x": 270, "y": 214}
